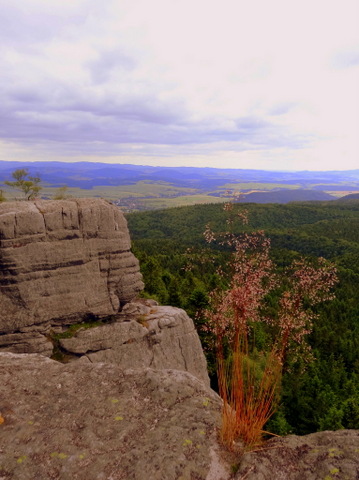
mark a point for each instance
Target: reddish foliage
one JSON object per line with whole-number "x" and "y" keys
{"x": 249, "y": 390}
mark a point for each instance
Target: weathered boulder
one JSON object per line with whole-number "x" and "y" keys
{"x": 84, "y": 421}
{"x": 144, "y": 335}
{"x": 63, "y": 260}
{"x": 99, "y": 422}
{"x": 319, "y": 456}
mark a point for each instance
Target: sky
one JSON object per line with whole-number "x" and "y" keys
{"x": 260, "y": 84}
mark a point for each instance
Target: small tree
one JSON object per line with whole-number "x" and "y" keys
{"x": 61, "y": 193}
{"x": 27, "y": 184}
{"x": 2, "y": 198}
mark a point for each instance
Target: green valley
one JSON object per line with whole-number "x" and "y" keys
{"x": 180, "y": 269}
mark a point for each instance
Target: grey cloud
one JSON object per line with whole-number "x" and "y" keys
{"x": 20, "y": 28}
{"x": 346, "y": 59}
{"x": 87, "y": 128}
{"x": 251, "y": 123}
{"x": 62, "y": 98}
{"x": 26, "y": 96}
{"x": 25, "y": 24}
{"x": 109, "y": 62}
{"x": 282, "y": 108}
{"x": 91, "y": 119}
{"x": 58, "y": 114}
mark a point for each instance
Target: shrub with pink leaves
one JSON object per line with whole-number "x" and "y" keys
{"x": 249, "y": 380}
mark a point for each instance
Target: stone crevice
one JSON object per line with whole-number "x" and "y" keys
{"x": 182, "y": 353}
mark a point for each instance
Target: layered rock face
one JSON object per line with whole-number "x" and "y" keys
{"x": 69, "y": 262}
{"x": 144, "y": 335}
{"x": 62, "y": 260}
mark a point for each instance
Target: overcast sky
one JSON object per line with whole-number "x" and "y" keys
{"x": 265, "y": 84}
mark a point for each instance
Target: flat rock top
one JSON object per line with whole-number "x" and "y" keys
{"x": 319, "y": 456}
{"x": 100, "y": 422}
{"x": 88, "y": 215}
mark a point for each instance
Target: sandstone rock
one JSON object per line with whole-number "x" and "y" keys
{"x": 99, "y": 422}
{"x": 319, "y": 456}
{"x": 148, "y": 336}
{"x": 31, "y": 342}
{"x": 63, "y": 260}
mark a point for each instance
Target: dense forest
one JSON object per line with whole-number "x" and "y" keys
{"x": 180, "y": 269}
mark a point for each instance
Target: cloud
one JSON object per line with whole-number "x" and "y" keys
{"x": 28, "y": 24}
{"x": 346, "y": 58}
{"x": 180, "y": 78}
{"x": 91, "y": 116}
{"x": 110, "y": 63}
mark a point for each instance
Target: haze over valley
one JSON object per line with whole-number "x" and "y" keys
{"x": 135, "y": 187}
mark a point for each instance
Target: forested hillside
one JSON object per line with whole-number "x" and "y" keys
{"x": 179, "y": 268}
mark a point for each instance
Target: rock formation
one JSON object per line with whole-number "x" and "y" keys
{"x": 63, "y": 260}
{"x": 66, "y": 262}
{"x": 144, "y": 335}
{"x": 319, "y": 456}
{"x": 99, "y": 422}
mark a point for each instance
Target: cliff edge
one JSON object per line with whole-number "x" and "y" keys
{"x": 69, "y": 286}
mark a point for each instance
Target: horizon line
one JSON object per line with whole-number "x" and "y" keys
{"x": 177, "y": 166}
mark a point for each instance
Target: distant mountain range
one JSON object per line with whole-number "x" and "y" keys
{"x": 87, "y": 175}
{"x": 348, "y": 198}
{"x": 258, "y": 186}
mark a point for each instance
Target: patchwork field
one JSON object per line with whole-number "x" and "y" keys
{"x": 134, "y": 187}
